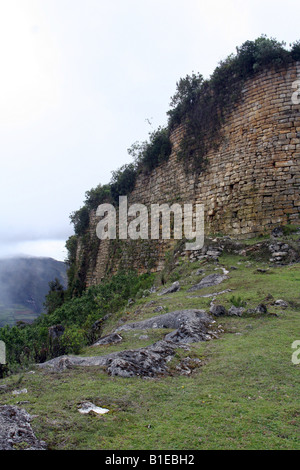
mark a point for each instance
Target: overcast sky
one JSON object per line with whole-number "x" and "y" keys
{"x": 81, "y": 79}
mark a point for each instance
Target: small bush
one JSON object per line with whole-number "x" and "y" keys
{"x": 295, "y": 52}
{"x": 98, "y": 195}
{"x": 237, "y": 301}
{"x": 73, "y": 340}
{"x": 123, "y": 181}
{"x": 149, "y": 154}
{"x": 289, "y": 229}
{"x": 80, "y": 220}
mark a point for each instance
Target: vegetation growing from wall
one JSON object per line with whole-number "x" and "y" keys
{"x": 149, "y": 154}
{"x": 201, "y": 105}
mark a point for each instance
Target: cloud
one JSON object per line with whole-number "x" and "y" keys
{"x": 79, "y": 80}
{"x": 42, "y": 248}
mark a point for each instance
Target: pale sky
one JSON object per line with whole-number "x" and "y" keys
{"x": 79, "y": 81}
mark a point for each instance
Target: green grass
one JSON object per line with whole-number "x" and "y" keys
{"x": 131, "y": 339}
{"x": 245, "y": 395}
{"x": 11, "y": 315}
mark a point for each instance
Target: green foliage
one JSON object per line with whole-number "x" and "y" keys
{"x": 71, "y": 245}
{"x": 150, "y": 154}
{"x": 185, "y": 98}
{"x": 55, "y": 297}
{"x": 73, "y": 340}
{"x": 80, "y": 220}
{"x": 123, "y": 181}
{"x": 289, "y": 229}
{"x": 202, "y": 104}
{"x": 77, "y": 270}
{"x": 75, "y": 311}
{"x": 237, "y": 301}
{"x": 98, "y": 195}
{"x": 28, "y": 343}
{"x": 295, "y": 52}
{"x": 254, "y": 56}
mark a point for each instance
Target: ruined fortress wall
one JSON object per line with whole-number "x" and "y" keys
{"x": 250, "y": 184}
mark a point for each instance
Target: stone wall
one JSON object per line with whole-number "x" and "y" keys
{"x": 250, "y": 185}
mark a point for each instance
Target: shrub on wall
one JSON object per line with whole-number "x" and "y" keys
{"x": 98, "y": 195}
{"x": 149, "y": 154}
{"x": 201, "y": 105}
{"x": 80, "y": 220}
{"x": 123, "y": 181}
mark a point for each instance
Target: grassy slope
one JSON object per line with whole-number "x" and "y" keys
{"x": 245, "y": 395}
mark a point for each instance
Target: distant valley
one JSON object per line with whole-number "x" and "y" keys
{"x": 24, "y": 283}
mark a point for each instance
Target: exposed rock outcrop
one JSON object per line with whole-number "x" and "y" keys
{"x": 209, "y": 281}
{"x": 15, "y": 430}
{"x": 113, "y": 338}
{"x": 189, "y": 326}
{"x": 169, "y": 290}
{"x": 170, "y": 320}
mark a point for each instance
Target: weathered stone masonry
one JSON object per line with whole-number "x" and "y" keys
{"x": 250, "y": 185}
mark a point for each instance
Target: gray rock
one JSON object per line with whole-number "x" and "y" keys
{"x": 15, "y": 430}
{"x": 190, "y": 332}
{"x": 214, "y": 255}
{"x": 61, "y": 363}
{"x": 89, "y": 408}
{"x": 209, "y": 281}
{"x": 97, "y": 325}
{"x": 279, "y": 254}
{"x": 150, "y": 361}
{"x": 236, "y": 311}
{"x": 19, "y": 392}
{"x": 277, "y": 232}
{"x": 169, "y": 290}
{"x": 261, "y": 308}
{"x": 113, "y": 338}
{"x": 187, "y": 365}
{"x": 281, "y": 303}
{"x": 250, "y": 311}
{"x": 160, "y": 308}
{"x": 143, "y": 337}
{"x": 207, "y": 296}
{"x": 172, "y": 320}
{"x": 199, "y": 272}
{"x": 145, "y": 362}
{"x": 56, "y": 331}
{"x": 152, "y": 289}
{"x": 218, "y": 310}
